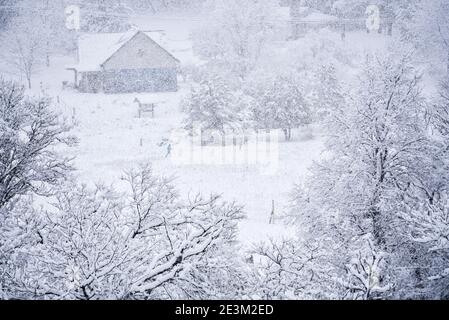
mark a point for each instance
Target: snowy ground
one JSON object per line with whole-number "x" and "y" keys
{"x": 113, "y": 139}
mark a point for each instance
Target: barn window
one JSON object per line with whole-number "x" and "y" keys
{"x": 141, "y": 52}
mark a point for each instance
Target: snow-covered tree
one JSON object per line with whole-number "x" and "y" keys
{"x": 350, "y": 8}
{"x": 379, "y": 141}
{"x": 214, "y": 106}
{"x": 364, "y": 273}
{"x": 30, "y": 165}
{"x": 95, "y": 245}
{"x": 287, "y": 269}
{"x": 8, "y": 10}
{"x": 427, "y": 27}
{"x": 221, "y": 273}
{"x": 24, "y": 49}
{"x": 235, "y": 34}
{"x": 428, "y": 223}
{"x": 105, "y": 16}
{"x": 47, "y": 17}
{"x": 19, "y": 232}
{"x": 35, "y": 32}
{"x": 326, "y": 93}
{"x": 374, "y": 167}
{"x": 280, "y": 103}
{"x": 430, "y": 226}
{"x": 30, "y": 133}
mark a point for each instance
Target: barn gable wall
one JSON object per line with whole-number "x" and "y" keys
{"x": 140, "y": 80}
{"x": 129, "y": 81}
{"x": 140, "y": 52}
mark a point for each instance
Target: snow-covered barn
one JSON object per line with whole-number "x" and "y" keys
{"x": 124, "y": 62}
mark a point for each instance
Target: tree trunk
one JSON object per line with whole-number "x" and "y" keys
{"x": 47, "y": 55}
{"x": 286, "y": 134}
{"x": 272, "y": 213}
{"x": 390, "y": 29}
{"x": 378, "y": 229}
{"x": 343, "y": 32}
{"x": 376, "y": 215}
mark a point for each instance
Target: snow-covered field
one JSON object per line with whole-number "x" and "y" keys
{"x": 112, "y": 138}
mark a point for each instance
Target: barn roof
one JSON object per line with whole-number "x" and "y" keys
{"x": 95, "y": 49}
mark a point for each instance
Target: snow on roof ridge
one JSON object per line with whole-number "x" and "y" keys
{"x": 94, "y": 49}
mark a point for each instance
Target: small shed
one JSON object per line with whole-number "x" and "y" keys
{"x": 124, "y": 63}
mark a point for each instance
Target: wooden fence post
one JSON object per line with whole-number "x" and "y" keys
{"x": 272, "y": 214}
